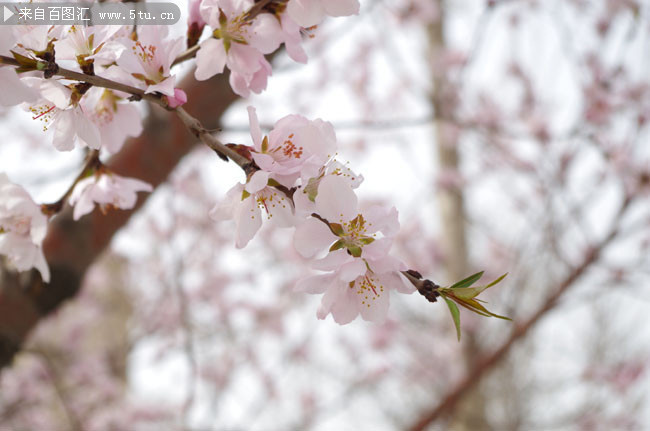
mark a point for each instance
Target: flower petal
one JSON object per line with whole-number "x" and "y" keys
{"x": 210, "y": 59}
{"x": 314, "y": 284}
{"x": 336, "y": 201}
{"x": 311, "y": 237}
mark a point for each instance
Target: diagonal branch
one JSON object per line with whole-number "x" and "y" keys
{"x": 488, "y": 362}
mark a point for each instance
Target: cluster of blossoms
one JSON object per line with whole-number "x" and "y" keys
{"x": 296, "y": 182}
{"x": 78, "y": 114}
{"x": 240, "y": 42}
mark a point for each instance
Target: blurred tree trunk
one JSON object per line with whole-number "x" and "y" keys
{"x": 470, "y": 414}
{"x": 71, "y": 247}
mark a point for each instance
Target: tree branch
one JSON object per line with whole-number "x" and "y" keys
{"x": 488, "y": 362}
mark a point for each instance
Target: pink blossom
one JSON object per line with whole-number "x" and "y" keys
{"x": 106, "y": 190}
{"x": 22, "y": 228}
{"x": 146, "y": 62}
{"x": 346, "y": 227}
{"x": 304, "y": 197}
{"x": 115, "y": 121}
{"x": 292, "y": 37}
{"x": 86, "y": 45}
{"x": 244, "y": 202}
{"x": 356, "y": 286}
{"x": 308, "y": 13}
{"x": 57, "y": 111}
{"x": 179, "y": 98}
{"x": 12, "y": 90}
{"x": 295, "y": 148}
{"x": 237, "y": 43}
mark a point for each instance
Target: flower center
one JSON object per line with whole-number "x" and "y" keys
{"x": 368, "y": 288}
{"x": 288, "y": 149}
{"x": 16, "y": 224}
{"x": 44, "y": 113}
{"x": 268, "y": 199}
{"x": 355, "y": 231}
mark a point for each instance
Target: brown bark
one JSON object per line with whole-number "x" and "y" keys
{"x": 71, "y": 247}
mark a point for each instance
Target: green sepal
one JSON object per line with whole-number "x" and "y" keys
{"x": 355, "y": 250}
{"x": 265, "y": 144}
{"x": 223, "y": 19}
{"x": 337, "y": 245}
{"x": 312, "y": 188}
{"x": 25, "y": 61}
{"x": 337, "y": 229}
{"x": 244, "y": 194}
{"x": 366, "y": 240}
{"x": 273, "y": 183}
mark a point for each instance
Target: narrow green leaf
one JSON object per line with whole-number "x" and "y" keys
{"x": 496, "y": 281}
{"x": 473, "y": 292}
{"x": 468, "y": 281}
{"x": 455, "y": 314}
{"x": 480, "y": 309}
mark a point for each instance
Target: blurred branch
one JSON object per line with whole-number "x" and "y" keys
{"x": 488, "y": 362}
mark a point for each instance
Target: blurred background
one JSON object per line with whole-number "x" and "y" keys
{"x": 512, "y": 135}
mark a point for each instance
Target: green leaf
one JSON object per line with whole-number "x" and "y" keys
{"x": 455, "y": 314}
{"x": 498, "y": 280}
{"x": 477, "y": 308}
{"x": 467, "y": 281}
{"x": 472, "y": 292}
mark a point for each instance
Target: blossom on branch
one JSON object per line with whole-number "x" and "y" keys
{"x": 106, "y": 190}
{"x": 244, "y": 204}
{"x": 340, "y": 225}
{"x": 114, "y": 119}
{"x": 304, "y": 197}
{"x": 89, "y": 46}
{"x": 22, "y": 228}
{"x": 146, "y": 62}
{"x": 355, "y": 286}
{"x": 59, "y": 110}
{"x": 238, "y": 43}
{"x": 308, "y": 13}
{"x": 295, "y": 148}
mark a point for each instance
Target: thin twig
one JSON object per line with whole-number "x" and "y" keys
{"x": 92, "y": 164}
{"x": 195, "y": 126}
{"x": 188, "y": 54}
